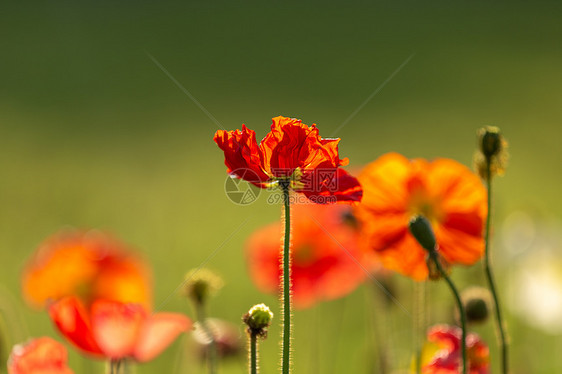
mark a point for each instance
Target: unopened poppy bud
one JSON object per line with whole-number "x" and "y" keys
{"x": 490, "y": 141}
{"x": 491, "y": 157}
{"x": 477, "y": 302}
{"x": 201, "y": 284}
{"x": 421, "y": 230}
{"x": 258, "y": 319}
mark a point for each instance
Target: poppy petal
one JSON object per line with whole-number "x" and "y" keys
{"x": 72, "y": 320}
{"x": 332, "y": 187}
{"x": 289, "y": 145}
{"x": 117, "y": 327}
{"x": 158, "y": 332}
{"x": 241, "y": 153}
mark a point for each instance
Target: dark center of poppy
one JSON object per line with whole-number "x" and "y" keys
{"x": 304, "y": 255}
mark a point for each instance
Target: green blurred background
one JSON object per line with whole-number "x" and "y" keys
{"x": 93, "y": 134}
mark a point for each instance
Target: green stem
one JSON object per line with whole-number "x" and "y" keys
{"x": 253, "y": 354}
{"x": 489, "y": 274}
{"x": 114, "y": 366}
{"x": 435, "y": 259}
{"x": 419, "y": 317}
{"x": 286, "y": 284}
{"x": 212, "y": 351}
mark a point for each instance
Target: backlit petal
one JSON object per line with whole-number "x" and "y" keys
{"x": 72, "y": 320}
{"x": 241, "y": 153}
{"x": 117, "y": 326}
{"x": 158, "y": 332}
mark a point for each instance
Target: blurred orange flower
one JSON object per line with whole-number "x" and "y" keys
{"x": 91, "y": 265}
{"x": 39, "y": 356}
{"x": 116, "y": 330}
{"x": 444, "y": 191}
{"x": 290, "y": 151}
{"x": 442, "y": 355}
{"x": 324, "y": 255}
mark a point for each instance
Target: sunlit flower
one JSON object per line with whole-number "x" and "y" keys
{"x": 292, "y": 152}
{"x": 91, "y": 265}
{"x": 447, "y": 193}
{"x": 39, "y": 356}
{"x": 442, "y": 354}
{"x": 325, "y": 255}
{"x": 114, "y": 330}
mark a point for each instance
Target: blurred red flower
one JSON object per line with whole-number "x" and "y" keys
{"x": 39, "y": 356}
{"x": 116, "y": 330}
{"x": 324, "y": 255}
{"x": 290, "y": 151}
{"x": 91, "y": 265}
{"x": 444, "y": 191}
{"x": 443, "y": 353}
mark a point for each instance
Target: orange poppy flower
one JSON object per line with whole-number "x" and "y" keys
{"x": 291, "y": 151}
{"x": 447, "y": 193}
{"x": 116, "y": 330}
{"x": 90, "y": 265}
{"x": 324, "y": 255}
{"x": 39, "y": 356}
{"x": 442, "y": 355}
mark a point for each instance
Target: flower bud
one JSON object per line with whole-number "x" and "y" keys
{"x": 258, "y": 320}
{"x": 492, "y": 152}
{"x": 421, "y": 230}
{"x": 490, "y": 141}
{"x": 201, "y": 284}
{"x": 477, "y": 302}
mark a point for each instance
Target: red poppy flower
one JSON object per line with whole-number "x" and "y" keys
{"x": 116, "y": 330}
{"x": 443, "y": 353}
{"x": 444, "y": 191}
{"x": 91, "y": 265}
{"x": 324, "y": 255}
{"x": 291, "y": 151}
{"x": 39, "y": 356}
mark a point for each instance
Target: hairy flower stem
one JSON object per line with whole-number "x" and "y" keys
{"x": 253, "y": 353}
{"x": 286, "y": 284}
{"x": 435, "y": 258}
{"x": 489, "y": 274}
{"x": 212, "y": 349}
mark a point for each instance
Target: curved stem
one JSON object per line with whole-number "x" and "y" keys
{"x": 490, "y": 277}
{"x": 253, "y": 354}
{"x": 286, "y": 284}
{"x": 435, "y": 259}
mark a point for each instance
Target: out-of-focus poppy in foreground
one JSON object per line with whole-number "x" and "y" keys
{"x": 442, "y": 354}
{"x": 114, "y": 330}
{"x": 90, "y": 265}
{"x": 326, "y": 259}
{"x": 447, "y": 193}
{"x": 39, "y": 356}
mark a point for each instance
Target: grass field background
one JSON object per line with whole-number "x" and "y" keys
{"x": 93, "y": 134}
